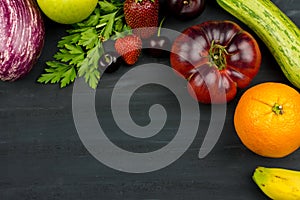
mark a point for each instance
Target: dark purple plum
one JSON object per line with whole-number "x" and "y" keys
{"x": 158, "y": 46}
{"x": 110, "y": 62}
{"x": 186, "y": 9}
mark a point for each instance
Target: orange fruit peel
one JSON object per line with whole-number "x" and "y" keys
{"x": 266, "y": 119}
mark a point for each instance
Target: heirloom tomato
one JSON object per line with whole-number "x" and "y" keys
{"x": 216, "y": 57}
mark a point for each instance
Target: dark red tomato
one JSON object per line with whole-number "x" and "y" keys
{"x": 216, "y": 57}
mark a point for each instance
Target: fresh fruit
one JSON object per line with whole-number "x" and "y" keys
{"x": 110, "y": 62}
{"x": 274, "y": 28}
{"x": 216, "y": 57}
{"x": 278, "y": 183}
{"x": 158, "y": 46}
{"x": 67, "y": 11}
{"x": 267, "y": 119}
{"x": 142, "y": 16}
{"x": 186, "y": 9}
{"x": 129, "y": 47}
{"x": 80, "y": 49}
{"x": 22, "y": 36}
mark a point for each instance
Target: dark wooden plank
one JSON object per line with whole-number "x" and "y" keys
{"x": 42, "y": 156}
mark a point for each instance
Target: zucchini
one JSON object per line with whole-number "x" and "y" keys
{"x": 279, "y": 33}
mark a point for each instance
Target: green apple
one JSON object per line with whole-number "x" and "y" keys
{"x": 67, "y": 11}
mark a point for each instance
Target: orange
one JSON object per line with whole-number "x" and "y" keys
{"x": 267, "y": 119}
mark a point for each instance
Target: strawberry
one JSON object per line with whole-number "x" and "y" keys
{"x": 129, "y": 47}
{"x": 142, "y": 16}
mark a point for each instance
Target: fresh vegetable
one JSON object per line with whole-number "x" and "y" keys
{"x": 21, "y": 38}
{"x": 129, "y": 47}
{"x": 142, "y": 16}
{"x": 186, "y": 9}
{"x": 158, "y": 46}
{"x": 278, "y": 183}
{"x": 80, "y": 50}
{"x": 67, "y": 11}
{"x": 110, "y": 62}
{"x": 275, "y": 29}
{"x": 215, "y": 56}
{"x": 266, "y": 119}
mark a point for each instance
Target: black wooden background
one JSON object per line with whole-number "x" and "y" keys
{"x": 42, "y": 157}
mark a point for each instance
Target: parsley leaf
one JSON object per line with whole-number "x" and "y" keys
{"x": 79, "y": 51}
{"x": 71, "y": 53}
{"x": 108, "y": 7}
{"x": 89, "y": 38}
{"x": 69, "y": 39}
{"x": 89, "y": 66}
{"x": 58, "y": 72}
{"x": 109, "y": 20}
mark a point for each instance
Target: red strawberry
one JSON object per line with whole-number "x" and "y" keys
{"x": 142, "y": 16}
{"x": 129, "y": 47}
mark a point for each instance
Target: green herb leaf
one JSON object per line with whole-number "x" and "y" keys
{"x": 89, "y": 38}
{"x": 71, "y": 53}
{"x": 58, "y": 72}
{"x": 68, "y": 77}
{"x": 92, "y": 21}
{"x": 79, "y": 51}
{"x": 107, "y": 7}
{"x": 69, "y": 39}
{"x": 109, "y": 20}
{"x": 89, "y": 67}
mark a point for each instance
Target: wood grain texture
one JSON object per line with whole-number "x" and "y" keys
{"x": 42, "y": 157}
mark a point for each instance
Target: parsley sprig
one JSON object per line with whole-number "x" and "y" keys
{"x": 79, "y": 51}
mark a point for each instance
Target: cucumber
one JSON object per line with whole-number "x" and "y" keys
{"x": 279, "y": 33}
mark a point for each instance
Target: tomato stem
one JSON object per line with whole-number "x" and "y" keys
{"x": 217, "y": 55}
{"x": 277, "y": 109}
